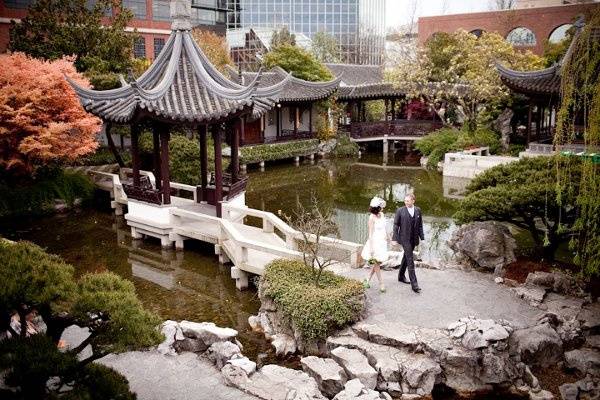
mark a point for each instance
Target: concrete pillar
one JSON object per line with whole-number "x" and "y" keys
{"x": 261, "y": 165}
{"x": 241, "y": 278}
{"x": 243, "y": 168}
{"x": 385, "y": 144}
{"x": 135, "y": 234}
{"x": 311, "y": 157}
{"x": 178, "y": 241}
{"x": 165, "y": 242}
{"x": 297, "y": 161}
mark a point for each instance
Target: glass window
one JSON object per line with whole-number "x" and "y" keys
{"x": 204, "y": 16}
{"x": 161, "y": 10}
{"x": 139, "y": 47}
{"x": 559, "y": 33}
{"x": 221, "y": 15}
{"x": 159, "y": 43}
{"x": 205, "y": 3}
{"x": 521, "y": 36}
{"x": 18, "y": 3}
{"x": 138, "y": 7}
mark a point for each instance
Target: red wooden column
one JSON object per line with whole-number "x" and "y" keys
{"x": 278, "y": 113}
{"x": 235, "y": 149}
{"x": 295, "y": 120}
{"x": 218, "y": 168}
{"x": 135, "y": 154}
{"x": 393, "y": 109}
{"x": 538, "y": 120}
{"x": 164, "y": 163}
{"x": 310, "y": 129}
{"x": 203, "y": 161}
{"x": 156, "y": 156}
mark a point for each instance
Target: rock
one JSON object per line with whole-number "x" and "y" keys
{"x": 220, "y": 352}
{"x": 534, "y": 295}
{"x": 593, "y": 342}
{"x": 584, "y": 360}
{"x": 569, "y": 391}
{"x": 488, "y": 244}
{"x": 355, "y": 390}
{"x": 356, "y": 365}
{"x": 539, "y": 345}
{"x": 390, "y": 334}
{"x": 170, "y": 329}
{"x": 499, "y": 280}
{"x": 208, "y": 332}
{"x": 503, "y": 125}
{"x": 478, "y": 333}
{"x": 234, "y": 376}
{"x": 495, "y": 333}
{"x": 564, "y": 307}
{"x": 73, "y": 336}
{"x": 191, "y": 345}
{"x": 327, "y": 146}
{"x": 420, "y": 372}
{"x": 279, "y": 383}
{"x": 589, "y": 316}
{"x": 541, "y": 395}
{"x": 283, "y": 344}
{"x": 511, "y": 282}
{"x": 330, "y": 377}
{"x": 244, "y": 363}
{"x": 254, "y": 322}
{"x": 462, "y": 370}
{"x": 354, "y": 387}
{"x": 555, "y": 281}
{"x": 474, "y": 340}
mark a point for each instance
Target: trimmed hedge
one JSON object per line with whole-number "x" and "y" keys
{"x": 37, "y": 198}
{"x": 278, "y": 151}
{"x": 315, "y": 311}
{"x": 102, "y": 156}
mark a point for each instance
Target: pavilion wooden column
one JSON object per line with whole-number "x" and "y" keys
{"x": 538, "y": 120}
{"x": 393, "y": 109}
{"x": 156, "y": 156}
{"x": 387, "y": 104}
{"x": 164, "y": 163}
{"x": 296, "y": 121}
{"x": 235, "y": 149}
{"x": 364, "y": 112}
{"x": 529, "y": 116}
{"x": 310, "y": 129}
{"x": 243, "y": 129}
{"x": 135, "y": 154}
{"x": 203, "y": 161}
{"x": 278, "y": 114}
{"x": 216, "y": 132}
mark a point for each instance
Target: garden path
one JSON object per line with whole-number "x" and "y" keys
{"x": 446, "y": 296}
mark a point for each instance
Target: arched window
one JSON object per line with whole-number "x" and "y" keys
{"x": 477, "y": 32}
{"x": 559, "y": 33}
{"x": 521, "y": 36}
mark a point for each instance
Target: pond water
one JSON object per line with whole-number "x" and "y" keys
{"x": 191, "y": 284}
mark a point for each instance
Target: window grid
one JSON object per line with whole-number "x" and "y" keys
{"x": 159, "y": 43}
{"x": 139, "y": 47}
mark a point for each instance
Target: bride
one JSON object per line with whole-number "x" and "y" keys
{"x": 375, "y": 250}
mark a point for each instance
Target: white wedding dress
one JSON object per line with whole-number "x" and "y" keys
{"x": 380, "y": 243}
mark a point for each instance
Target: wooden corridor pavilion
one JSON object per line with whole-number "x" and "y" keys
{"x": 182, "y": 88}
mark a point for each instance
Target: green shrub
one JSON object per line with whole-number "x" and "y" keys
{"x": 37, "y": 197}
{"x": 102, "y": 156}
{"x": 315, "y": 311}
{"x": 436, "y": 144}
{"x": 515, "y": 149}
{"x": 345, "y": 148}
{"x": 278, "y": 151}
{"x": 184, "y": 157}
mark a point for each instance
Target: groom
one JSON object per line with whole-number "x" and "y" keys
{"x": 408, "y": 229}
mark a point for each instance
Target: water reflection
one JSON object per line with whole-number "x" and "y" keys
{"x": 348, "y": 186}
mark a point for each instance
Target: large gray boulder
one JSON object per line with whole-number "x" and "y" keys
{"x": 589, "y": 316}
{"x": 328, "y": 374}
{"x": 207, "y": 332}
{"x": 487, "y": 244}
{"x": 273, "y": 382}
{"x": 539, "y": 345}
{"x": 220, "y": 352}
{"x": 356, "y": 365}
{"x": 355, "y": 390}
{"x": 584, "y": 360}
{"x": 503, "y": 125}
{"x": 555, "y": 281}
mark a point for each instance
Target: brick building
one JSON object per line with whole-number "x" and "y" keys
{"x": 527, "y": 28}
{"x": 151, "y": 20}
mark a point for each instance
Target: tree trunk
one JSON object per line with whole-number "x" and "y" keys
{"x": 112, "y": 147}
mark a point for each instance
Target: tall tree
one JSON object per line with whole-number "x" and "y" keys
{"x": 282, "y": 37}
{"x": 214, "y": 47}
{"x": 299, "y": 62}
{"x": 42, "y": 119}
{"x": 53, "y": 29}
{"x": 458, "y": 70}
{"x": 326, "y": 48}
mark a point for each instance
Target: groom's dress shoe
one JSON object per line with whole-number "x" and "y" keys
{"x": 416, "y": 290}
{"x": 404, "y": 281}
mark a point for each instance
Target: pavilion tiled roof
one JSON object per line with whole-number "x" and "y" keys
{"x": 181, "y": 86}
{"x": 362, "y": 82}
{"x": 295, "y": 90}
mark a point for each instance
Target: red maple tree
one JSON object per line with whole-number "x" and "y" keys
{"x": 41, "y": 119}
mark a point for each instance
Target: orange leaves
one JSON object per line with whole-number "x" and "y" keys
{"x": 41, "y": 119}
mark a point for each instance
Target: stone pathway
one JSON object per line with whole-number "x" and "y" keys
{"x": 153, "y": 376}
{"x": 446, "y": 296}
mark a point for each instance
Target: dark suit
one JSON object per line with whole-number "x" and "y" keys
{"x": 407, "y": 231}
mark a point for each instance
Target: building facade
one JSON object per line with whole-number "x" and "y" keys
{"x": 357, "y": 25}
{"x": 526, "y": 28}
{"x": 151, "y": 20}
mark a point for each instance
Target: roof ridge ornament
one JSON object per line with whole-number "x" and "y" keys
{"x": 181, "y": 14}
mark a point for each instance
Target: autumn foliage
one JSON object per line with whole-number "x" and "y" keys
{"x": 41, "y": 119}
{"x": 214, "y": 47}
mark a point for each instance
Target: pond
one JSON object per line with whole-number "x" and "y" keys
{"x": 191, "y": 284}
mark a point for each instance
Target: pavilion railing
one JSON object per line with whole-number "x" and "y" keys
{"x": 289, "y": 134}
{"x": 399, "y": 127}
